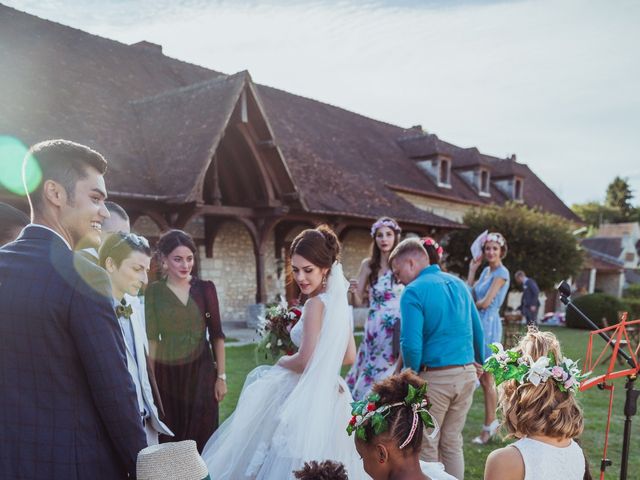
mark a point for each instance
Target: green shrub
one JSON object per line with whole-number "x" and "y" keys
{"x": 633, "y": 307}
{"x": 632, "y": 291}
{"x": 595, "y": 306}
{"x": 539, "y": 243}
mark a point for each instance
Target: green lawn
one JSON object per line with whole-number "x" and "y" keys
{"x": 241, "y": 360}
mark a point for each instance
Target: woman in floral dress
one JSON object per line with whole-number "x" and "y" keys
{"x": 378, "y": 353}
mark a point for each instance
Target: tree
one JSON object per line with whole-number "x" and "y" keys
{"x": 616, "y": 209}
{"x": 596, "y": 214}
{"x": 539, "y": 243}
{"x": 619, "y": 196}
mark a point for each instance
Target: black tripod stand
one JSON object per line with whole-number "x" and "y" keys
{"x": 631, "y": 402}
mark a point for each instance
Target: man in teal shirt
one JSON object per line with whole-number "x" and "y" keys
{"x": 441, "y": 339}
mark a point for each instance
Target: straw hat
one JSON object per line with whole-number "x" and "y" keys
{"x": 171, "y": 461}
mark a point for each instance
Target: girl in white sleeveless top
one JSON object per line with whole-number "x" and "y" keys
{"x": 539, "y": 408}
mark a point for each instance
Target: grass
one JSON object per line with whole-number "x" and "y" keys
{"x": 241, "y": 360}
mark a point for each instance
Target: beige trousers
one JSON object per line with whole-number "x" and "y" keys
{"x": 451, "y": 393}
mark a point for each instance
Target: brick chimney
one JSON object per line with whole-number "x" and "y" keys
{"x": 148, "y": 47}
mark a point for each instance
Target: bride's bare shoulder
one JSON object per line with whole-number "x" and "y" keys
{"x": 313, "y": 307}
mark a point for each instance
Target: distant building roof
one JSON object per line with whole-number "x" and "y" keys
{"x": 602, "y": 262}
{"x": 159, "y": 120}
{"x": 610, "y": 246}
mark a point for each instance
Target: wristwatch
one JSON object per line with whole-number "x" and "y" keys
{"x": 223, "y": 377}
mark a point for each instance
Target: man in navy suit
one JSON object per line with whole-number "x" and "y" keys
{"x": 530, "y": 303}
{"x": 68, "y": 407}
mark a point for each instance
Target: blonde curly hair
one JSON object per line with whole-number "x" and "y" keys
{"x": 528, "y": 409}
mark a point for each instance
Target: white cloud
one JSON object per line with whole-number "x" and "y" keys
{"x": 553, "y": 81}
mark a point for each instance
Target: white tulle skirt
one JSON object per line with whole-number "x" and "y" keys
{"x": 252, "y": 445}
{"x": 249, "y": 444}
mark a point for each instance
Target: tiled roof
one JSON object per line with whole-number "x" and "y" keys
{"x": 158, "y": 120}
{"x": 602, "y": 262}
{"x": 610, "y": 246}
{"x": 180, "y": 131}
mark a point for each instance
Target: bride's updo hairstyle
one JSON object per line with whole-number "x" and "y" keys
{"x": 319, "y": 246}
{"x": 392, "y": 390}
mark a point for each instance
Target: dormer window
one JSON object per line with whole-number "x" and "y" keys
{"x": 444, "y": 173}
{"x": 517, "y": 189}
{"x": 483, "y": 186}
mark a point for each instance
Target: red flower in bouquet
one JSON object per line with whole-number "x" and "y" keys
{"x": 276, "y": 331}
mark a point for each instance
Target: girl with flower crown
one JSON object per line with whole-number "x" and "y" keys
{"x": 379, "y": 350}
{"x": 389, "y": 426}
{"x": 489, "y": 293}
{"x": 537, "y": 398}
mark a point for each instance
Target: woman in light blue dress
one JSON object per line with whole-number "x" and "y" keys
{"x": 489, "y": 293}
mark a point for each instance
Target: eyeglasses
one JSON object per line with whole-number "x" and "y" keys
{"x": 132, "y": 239}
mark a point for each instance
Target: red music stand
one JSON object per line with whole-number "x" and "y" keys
{"x": 617, "y": 334}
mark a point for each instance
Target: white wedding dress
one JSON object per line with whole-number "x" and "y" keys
{"x": 284, "y": 419}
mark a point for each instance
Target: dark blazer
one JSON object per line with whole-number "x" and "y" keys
{"x": 68, "y": 406}
{"x": 530, "y": 294}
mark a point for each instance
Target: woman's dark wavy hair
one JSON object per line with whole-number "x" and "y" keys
{"x": 167, "y": 243}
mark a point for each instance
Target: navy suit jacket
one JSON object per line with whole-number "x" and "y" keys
{"x": 68, "y": 407}
{"x": 530, "y": 294}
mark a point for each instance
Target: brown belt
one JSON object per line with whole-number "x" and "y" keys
{"x": 425, "y": 368}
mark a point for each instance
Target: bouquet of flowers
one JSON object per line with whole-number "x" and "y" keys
{"x": 275, "y": 330}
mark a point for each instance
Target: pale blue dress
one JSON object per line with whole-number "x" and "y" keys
{"x": 490, "y": 316}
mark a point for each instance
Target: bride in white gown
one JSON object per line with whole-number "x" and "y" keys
{"x": 297, "y": 410}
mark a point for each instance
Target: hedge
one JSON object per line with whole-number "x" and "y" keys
{"x": 596, "y": 306}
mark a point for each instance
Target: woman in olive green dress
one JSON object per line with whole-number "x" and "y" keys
{"x": 186, "y": 342}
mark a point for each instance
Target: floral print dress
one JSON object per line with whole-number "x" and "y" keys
{"x": 376, "y": 358}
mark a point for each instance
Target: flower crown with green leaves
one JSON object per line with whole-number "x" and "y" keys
{"x": 368, "y": 410}
{"x": 513, "y": 365}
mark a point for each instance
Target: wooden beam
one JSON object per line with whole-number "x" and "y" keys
{"x": 242, "y": 212}
{"x": 217, "y": 194}
{"x": 184, "y": 216}
{"x": 260, "y": 162}
{"x": 244, "y": 112}
{"x": 211, "y": 229}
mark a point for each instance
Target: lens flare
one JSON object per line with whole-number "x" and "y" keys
{"x": 13, "y": 154}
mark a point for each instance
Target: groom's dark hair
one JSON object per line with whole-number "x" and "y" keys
{"x": 326, "y": 470}
{"x": 62, "y": 161}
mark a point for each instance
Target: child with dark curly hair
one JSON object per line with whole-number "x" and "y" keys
{"x": 326, "y": 470}
{"x": 389, "y": 426}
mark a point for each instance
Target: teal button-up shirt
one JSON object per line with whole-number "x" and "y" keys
{"x": 440, "y": 322}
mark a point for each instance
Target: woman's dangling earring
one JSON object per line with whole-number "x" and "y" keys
{"x": 324, "y": 281}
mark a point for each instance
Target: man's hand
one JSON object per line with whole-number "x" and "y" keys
{"x": 479, "y": 369}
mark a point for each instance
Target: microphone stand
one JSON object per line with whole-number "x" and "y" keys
{"x": 631, "y": 401}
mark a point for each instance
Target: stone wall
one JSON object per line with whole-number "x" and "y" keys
{"x": 233, "y": 268}
{"x": 610, "y": 283}
{"x": 355, "y": 248}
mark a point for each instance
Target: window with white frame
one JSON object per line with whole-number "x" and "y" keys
{"x": 517, "y": 189}
{"x": 484, "y": 182}
{"x": 444, "y": 173}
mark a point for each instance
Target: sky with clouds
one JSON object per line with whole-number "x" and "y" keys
{"x": 554, "y": 81}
